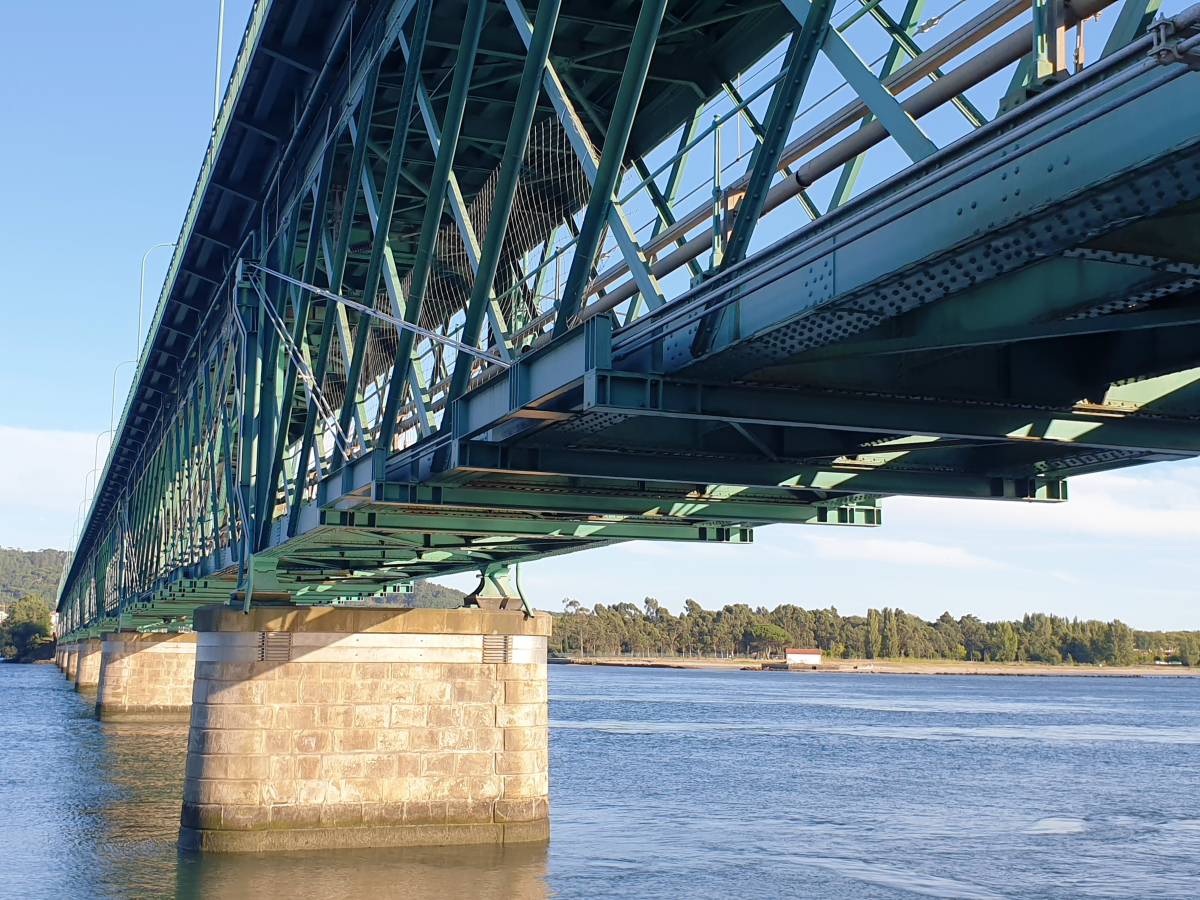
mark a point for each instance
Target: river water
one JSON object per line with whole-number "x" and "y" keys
{"x": 697, "y": 784}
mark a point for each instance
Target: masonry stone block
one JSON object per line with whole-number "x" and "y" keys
{"x": 72, "y": 657}
{"x": 146, "y": 675}
{"x": 371, "y": 727}
{"x": 87, "y": 666}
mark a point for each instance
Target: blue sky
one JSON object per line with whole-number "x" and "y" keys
{"x": 107, "y": 110}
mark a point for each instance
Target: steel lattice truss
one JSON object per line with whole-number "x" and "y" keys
{"x": 418, "y": 322}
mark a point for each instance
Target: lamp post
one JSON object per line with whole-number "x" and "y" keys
{"x": 112, "y": 410}
{"x": 75, "y": 527}
{"x": 138, "y": 353}
{"x": 142, "y": 295}
{"x": 95, "y": 470}
{"x": 217, "y": 80}
{"x": 95, "y": 463}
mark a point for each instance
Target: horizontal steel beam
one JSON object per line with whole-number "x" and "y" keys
{"x": 529, "y": 527}
{"x": 1070, "y": 328}
{"x": 609, "y": 393}
{"x": 482, "y": 457}
{"x": 695, "y": 504}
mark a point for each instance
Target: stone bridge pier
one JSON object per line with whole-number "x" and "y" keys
{"x": 70, "y": 658}
{"x": 322, "y": 727}
{"x": 146, "y": 675}
{"x": 87, "y": 666}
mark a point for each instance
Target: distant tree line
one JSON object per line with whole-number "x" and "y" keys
{"x": 25, "y": 632}
{"x": 738, "y": 630}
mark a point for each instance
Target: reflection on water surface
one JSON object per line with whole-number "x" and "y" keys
{"x": 672, "y": 784}
{"x": 515, "y": 872}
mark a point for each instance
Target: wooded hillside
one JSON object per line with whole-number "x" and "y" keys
{"x": 24, "y": 572}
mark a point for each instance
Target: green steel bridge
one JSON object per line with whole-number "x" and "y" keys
{"x": 465, "y": 283}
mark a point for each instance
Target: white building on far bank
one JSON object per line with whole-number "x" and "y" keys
{"x": 803, "y": 657}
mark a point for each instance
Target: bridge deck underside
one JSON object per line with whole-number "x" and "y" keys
{"x": 1014, "y": 309}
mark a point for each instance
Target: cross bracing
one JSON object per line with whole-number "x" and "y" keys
{"x": 469, "y": 283}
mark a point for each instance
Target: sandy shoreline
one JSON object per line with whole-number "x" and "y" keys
{"x": 895, "y": 667}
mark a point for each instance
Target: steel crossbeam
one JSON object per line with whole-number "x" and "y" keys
{"x": 605, "y": 181}
{"x": 885, "y": 107}
{"x": 633, "y": 255}
{"x": 440, "y": 183}
{"x": 506, "y": 185}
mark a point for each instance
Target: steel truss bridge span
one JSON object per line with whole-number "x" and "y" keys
{"x": 415, "y": 324}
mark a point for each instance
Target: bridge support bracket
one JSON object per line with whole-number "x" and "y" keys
{"x": 499, "y": 588}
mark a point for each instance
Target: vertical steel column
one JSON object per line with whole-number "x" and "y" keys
{"x": 718, "y": 200}
{"x": 366, "y": 109}
{"x": 506, "y": 187}
{"x": 802, "y": 54}
{"x": 379, "y": 239}
{"x": 629, "y": 94}
{"x": 1049, "y": 40}
{"x": 211, "y": 381}
{"x": 275, "y": 416}
{"x": 273, "y": 450}
{"x": 251, "y": 370}
{"x": 385, "y": 209}
{"x": 443, "y": 168}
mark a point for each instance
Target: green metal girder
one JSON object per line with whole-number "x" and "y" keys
{"x": 945, "y": 339}
{"x": 443, "y": 168}
{"x": 471, "y": 458}
{"x": 798, "y": 65}
{"x": 1115, "y": 428}
{"x": 552, "y": 461}
{"x": 374, "y": 269}
{"x": 506, "y": 186}
{"x": 491, "y": 524}
{"x": 620, "y": 124}
{"x": 384, "y": 210}
{"x": 571, "y": 497}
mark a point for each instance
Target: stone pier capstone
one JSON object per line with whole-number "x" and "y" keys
{"x": 87, "y": 666}
{"x": 146, "y": 675}
{"x": 327, "y": 727}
